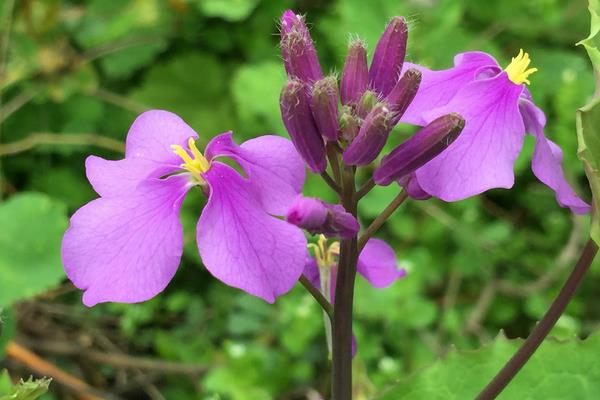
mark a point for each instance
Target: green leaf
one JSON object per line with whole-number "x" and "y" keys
{"x": 229, "y": 10}
{"x": 588, "y": 121}
{"x": 257, "y": 98}
{"x": 25, "y": 390}
{"x": 202, "y": 103}
{"x": 558, "y": 370}
{"x": 32, "y": 228}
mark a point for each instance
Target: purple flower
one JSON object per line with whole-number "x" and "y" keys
{"x": 317, "y": 216}
{"x": 126, "y": 245}
{"x": 498, "y": 110}
{"x": 376, "y": 263}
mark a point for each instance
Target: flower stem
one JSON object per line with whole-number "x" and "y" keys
{"x": 365, "y": 189}
{"x": 323, "y": 302}
{"x": 541, "y": 330}
{"x": 329, "y": 180}
{"x": 381, "y": 218}
{"x": 341, "y": 380}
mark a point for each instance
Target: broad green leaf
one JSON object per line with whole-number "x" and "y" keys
{"x": 32, "y": 228}
{"x": 257, "y": 98}
{"x": 588, "y": 121}
{"x": 230, "y": 10}
{"x": 558, "y": 370}
{"x": 24, "y": 390}
{"x": 194, "y": 86}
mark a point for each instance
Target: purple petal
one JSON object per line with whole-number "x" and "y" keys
{"x": 271, "y": 163}
{"x": 311, "y": 271}
{"x": 115, "y": 178}
{"x": 483, "y": 156}
{"x": 126, "y": 248}
{"x": 547, "y": 158}
{"x": 437, "y": 88}
{"x": 242, "y": 245}
{"x": 377, "y": 264}
{"x": 152, "y": 134}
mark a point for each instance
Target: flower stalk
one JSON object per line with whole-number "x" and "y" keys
{"x": 541, "y": 330}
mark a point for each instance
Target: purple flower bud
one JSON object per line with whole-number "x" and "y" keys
{"x": 349, "y": 124}
{"x": 316, "y": 216}
{"x": 298, "y": 50}
{"x": 372, "y": 136}
{"x": 413, "y": 189}
{"x": 422, "y": 147}
{"x": 299, "y": 122}
{"x": 324, "y": 106}
{"x": 308, "y": 213}
{"x": 355, "y": 76}
{"x": 403, "y": 93}
{"x": 389, "y": 56}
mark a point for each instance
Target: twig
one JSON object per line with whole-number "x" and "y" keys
{"x": 381, "y": 218}
{"x": 329, "y": 180}
{"x": 325, "y": 305}
{"x": 115, "y": 47}
{"x": 541, "y": 330}
{"x": 79, "y": 139}
{"x": 16, "y": 103}
{"x": 120, "y": 101}
{"x": 566, "y": 256}
{"x": 487, "y": 295}
{"x": 117, "y": 360}
{"x": 43, "y": 367}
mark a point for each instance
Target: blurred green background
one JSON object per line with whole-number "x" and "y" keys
{"x": 74, "y": 74}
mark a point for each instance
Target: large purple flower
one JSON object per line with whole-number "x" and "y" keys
{"x": 498, "y": 110}
{"x": 126, "y": 245}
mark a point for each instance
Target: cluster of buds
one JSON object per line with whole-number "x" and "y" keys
{"x": 361, "y": 113}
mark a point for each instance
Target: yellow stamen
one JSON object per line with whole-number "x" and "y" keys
{"x": 325, "y": 255}
{"x": 196, "y": 164}
{"x": 518, "y": 71}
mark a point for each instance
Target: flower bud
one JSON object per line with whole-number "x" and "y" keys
{"x": 298, "y": 50}
{"x": 366, "y": 103}
{"x": 316, "y": 216}
{"x": 422, "y": 147}
{"x": 372, "y": 136}
{"x": 355, "y": 76}
{"x": 413, "y": 189}
{"x": 307, "y": 213}
{"x": 389, "y": 56}
{"x": 299, "y": 122}
{"x": 324, "y": 106}
{"x": 403, "y": 93}
{"x": 349, "y": 124}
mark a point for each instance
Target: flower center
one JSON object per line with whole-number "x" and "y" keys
{"x": 325, "y": 255}
{"x": 196, "y": 164}
{"x": 518, "y": 71}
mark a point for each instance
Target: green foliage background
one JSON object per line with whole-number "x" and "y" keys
{"x": 75, "y": 75}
